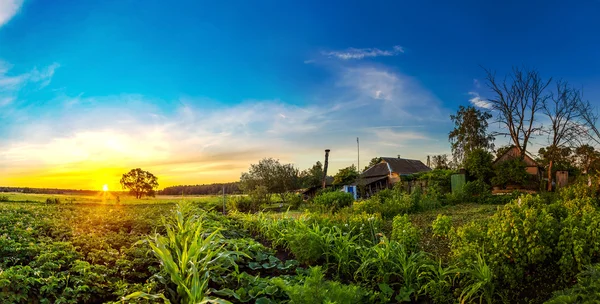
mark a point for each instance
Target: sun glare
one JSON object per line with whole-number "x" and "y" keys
{"x": 105, "y": 188}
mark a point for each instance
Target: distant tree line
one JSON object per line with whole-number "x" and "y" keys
{"x": 205, "y": 189}
{"x": 47, "y": 190}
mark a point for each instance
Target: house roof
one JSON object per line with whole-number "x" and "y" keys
{"x": 513, "y": 153}
{"x": 401, "y": 166}
{"x": 368, "y": 180}
{"x": 380, "y": 169}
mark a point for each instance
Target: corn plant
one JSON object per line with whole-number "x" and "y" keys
{"x": 190, "y": 256}
{"x": 480, "y": 283}
{"x": 439, "y": 282}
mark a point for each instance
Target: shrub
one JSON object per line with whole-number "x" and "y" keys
{"x": 587, "y": 289}
{"x": 334, "y": 200}
{"x": 295, "y": 201}
{"x": 244, "y": 204}
{"x": 404, "y": 232}
{"x": 315, "y": 289}
{"x": 441, "y": 225}
{"x": 54, "y": 200}
{"x": 522, "y": 234}
{"x": 479, "y": 164}
{"x": 476, "y": 188}
{"x": 510, "y": 172}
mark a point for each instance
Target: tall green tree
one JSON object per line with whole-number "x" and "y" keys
{"x": 479, "y": 164}
{"x": 440, "y": 161}
{"x": 139, "y": 183}
{"x": 313, "y": 176}
{"x": 554, "y": 158}
{"x": 269, "y": 173}
{"x": 346, "y": 176}
{"x": 470, "y": 132}
{"x": 587, "y": 158}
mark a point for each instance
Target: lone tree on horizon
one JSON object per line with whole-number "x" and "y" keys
{"x": 139, "y": 183}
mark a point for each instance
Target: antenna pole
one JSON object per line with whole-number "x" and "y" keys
{"x": 358, "y": 161}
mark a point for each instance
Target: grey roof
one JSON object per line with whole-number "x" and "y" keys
{"x": 380, "y": 169}
{"x": 368, "y": 180}
{"x": 404, "y": 166}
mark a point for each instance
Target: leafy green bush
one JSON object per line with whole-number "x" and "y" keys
{"x": 404, "y": 232}
{"x": 244, "y": 204}
{"x": 333, "y": 200}
{"x": 54, "y": 200}
{"x": 476, "y": 188}
{"x": 295, "y": 201}
{"x": 315, "y": 289}
{"x": 587, "y": 289}
{"x": 479, "y": 165}
{"x": 441, "y": 225}
{"x": 510, "y": 172}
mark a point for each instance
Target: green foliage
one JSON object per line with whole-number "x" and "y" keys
{"x": 587, "y": 289}
{"x": 139, "y": 183}
{"x": 314, "y": 289}
{"x": 441, "y": 225}
{"x": 346, "y": 176}
{"x": 190, "y": 256}
{"x": 4, "y": 198}
{"x": 439, "y": 282}
{"x": 245, "y": 204}
{"x": 333, "y": 200}
{"x": 476, "y": 188}
{"x": 479, "y": 283}
{"x": 404, "y": 232}
{"x": 393, "y": 269}
{"x": 271, "y": 176}
{"x": 54, "y": 200}
{"x": 479, "y": 164}
{"x": 510, "y": 172}
{"x": 312, "y": 177}
{"x": 469, "y": 133}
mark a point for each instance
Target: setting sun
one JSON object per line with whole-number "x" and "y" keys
{"x": 105, "y": 188}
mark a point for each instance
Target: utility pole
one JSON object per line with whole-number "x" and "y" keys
{"x": 358, "y": 160}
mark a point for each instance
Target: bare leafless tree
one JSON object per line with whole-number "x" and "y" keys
{"x": 567, "y": 124}
{"x": 518, "y": 98}
{"x": 589, "y": 116}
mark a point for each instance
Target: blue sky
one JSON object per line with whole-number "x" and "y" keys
{"x": 197, "y": 90}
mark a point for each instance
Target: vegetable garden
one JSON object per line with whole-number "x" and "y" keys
{"x": 394, "y": 247}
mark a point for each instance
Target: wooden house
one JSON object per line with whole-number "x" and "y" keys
{"x": 532, "y": 168}
{"x": 388, "y": 172}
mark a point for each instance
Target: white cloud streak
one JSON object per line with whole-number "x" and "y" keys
{"x": 11, "y": 85}
{"x": 8, "y": 9}
{"x": 479, "y": 102}
{"x": 354, "y": 53}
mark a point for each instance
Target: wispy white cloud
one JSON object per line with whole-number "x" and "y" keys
{"x": 11, "y": 85}
{"x": 354, "y": 53}
{"x": 8, "y": 9}
{"x": 479, "y": 102}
